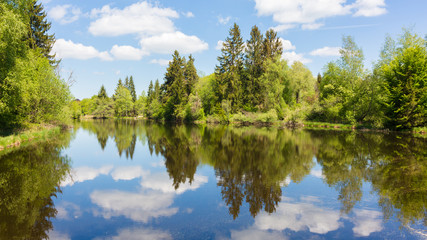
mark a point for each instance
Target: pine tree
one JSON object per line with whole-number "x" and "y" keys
{"x": 253, "y": 67}
{"x": 150, "y": 93}
{"x": 131, "y": 88}
{"x": 272, "y": 45}
{"x": 38, "y": 36}
{"x": 228, "y": 73}
{"x": 102, "y": 93}
{"x": 126, "y": 85}
{"x": 191, "y": 76}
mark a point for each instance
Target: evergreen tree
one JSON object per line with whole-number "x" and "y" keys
{"x": 38, "y": 36}
{"x": 254, "y": 67}
{"x": 272, "y": 45}
{"x": 173, "y": 87}
{"x": 190, "y": 74}
{"x": 228, "y": 73}
{"x": 102, "y": 93}
{"x": 131, "y": 87}
{"x": 150, "y": 93}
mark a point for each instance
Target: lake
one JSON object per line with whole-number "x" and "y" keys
{"x": 110, "y": 179}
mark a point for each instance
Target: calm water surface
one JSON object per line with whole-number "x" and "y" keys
{"x": 140, "y": 180}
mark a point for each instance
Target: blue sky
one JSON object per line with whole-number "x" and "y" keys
{"x": 102, "y": 41}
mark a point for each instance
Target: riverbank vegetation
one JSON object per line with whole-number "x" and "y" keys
{"x": 253, "y": 84}
{"x": 31, "y": 91}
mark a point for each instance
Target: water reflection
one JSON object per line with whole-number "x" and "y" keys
{"x": 29, "y": 180}
{"x": 253, "y": 165}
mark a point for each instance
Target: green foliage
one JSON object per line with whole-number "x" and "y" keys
{"x": 102, "y": 92}
{"x": 228, "y": 85}
{"x": 104, "y": 108}
{"x": 76, "y": 109}
{"x": 403, "y": 69}
{"x": 123, "y": 104}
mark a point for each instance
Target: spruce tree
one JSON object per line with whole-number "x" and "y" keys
{"x": 191, "y": 76}
{"x": 132, "y": 88}
{"x": 228, "y": 73}
{"x": 253, "y": 67}
{"x": 272, "y": 45}
{"x": 173, "y": 87}
{"x": 38, "y": 36}
{"x": 102, "y": 93}
{"x": 150, "y": 93}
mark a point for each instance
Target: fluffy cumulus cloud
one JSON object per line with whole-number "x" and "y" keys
{"x": 367, "y": 222}
{"x": 307, "y": 13}
{"x": 219, "y": 45}
{"x": 81, "y": 174}
{"x": 287, "y": 45}
{"x": 140, "y": 234}
{"x": 141, "y": 18}
{"x": 300, "y": 217}
{"x": 58, "y": 235}
{"x": 162, "y": 182}
{"x": 326, "y": 52}
{"x": 153, "y": 25}
{"x": 166, "y": 43}
{"x": 141, "y": 206}
{"x": 292, "y": 57}
{"x": 65, "y": 13}
{"x": 128, "y": 173}
{"x": 127, "y": 53}
{"x": 69, "y": 49}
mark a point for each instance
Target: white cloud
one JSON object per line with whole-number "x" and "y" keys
{"x": 326, "y": 52}
{"x": 307, "y": 13}
{"x": 162, "y": 182}
{"x": 219, "y": 45}
{"x": 68, "y": 210}
{"x": 139, "y": 207}
{"x": 81, "y": 174}
{"x": 128, "y": 173}
{"x": 161, "y": 62}
{"x": 141, "y": 234}
{"x": 223, "y": 20}
{"x": 127, "y": 53}
{"x": 287, "y": 45}
{"x": 65, "y": 13}
{"x": 189, "y": 14}
{"x": 140, "y": 18}
{"x": 317, "y": 173}
{"x": 367, "y": 222}
{"x": 369, "y": 8}
{"x": 298, "y": 217}
{"x": 292, "y": 57}
{"x": 166, "y": 43}
{"x": 68, "y": 49}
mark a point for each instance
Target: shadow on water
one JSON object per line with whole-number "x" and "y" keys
{"x": 256, "y": 164}
{"x": 29, "y": 179}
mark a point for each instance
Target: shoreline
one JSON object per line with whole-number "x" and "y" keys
{"x": 36, "y": 133}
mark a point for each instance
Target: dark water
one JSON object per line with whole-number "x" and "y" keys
{"x": 139, "y": 180}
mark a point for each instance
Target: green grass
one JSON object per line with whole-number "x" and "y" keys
{"x": 329, "y": 125}
{"x": 38, "y": 132}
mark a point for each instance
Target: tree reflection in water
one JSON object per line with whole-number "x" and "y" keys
{"x": 254, "y": 164}
{"x": 29, "y": 177}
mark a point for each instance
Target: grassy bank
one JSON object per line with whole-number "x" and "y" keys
{"x": 37, "y": 132}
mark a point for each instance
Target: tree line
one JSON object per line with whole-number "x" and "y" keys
{"x": 253, "y": 83}
{"x": 31, "y": 90}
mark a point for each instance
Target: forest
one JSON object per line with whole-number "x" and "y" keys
{"x": 252, "y": 83}
{"x": 31, "y": 90}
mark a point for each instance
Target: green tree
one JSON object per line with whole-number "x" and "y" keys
{"x": 131, "y": 87}
{"x": 302, "y": 82}
{"x": 272, "y": 47}
{"x": 228, "y": 72}
{"x": 190, "y": 74}
{"x": 254, "y": 67}
{"x": 123, "y": 103}
{"x": 403, "y": 69}
{"x": 39, "y": 27}
{"x": 173, "y": 88}
{"x": 102, "y": 92}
